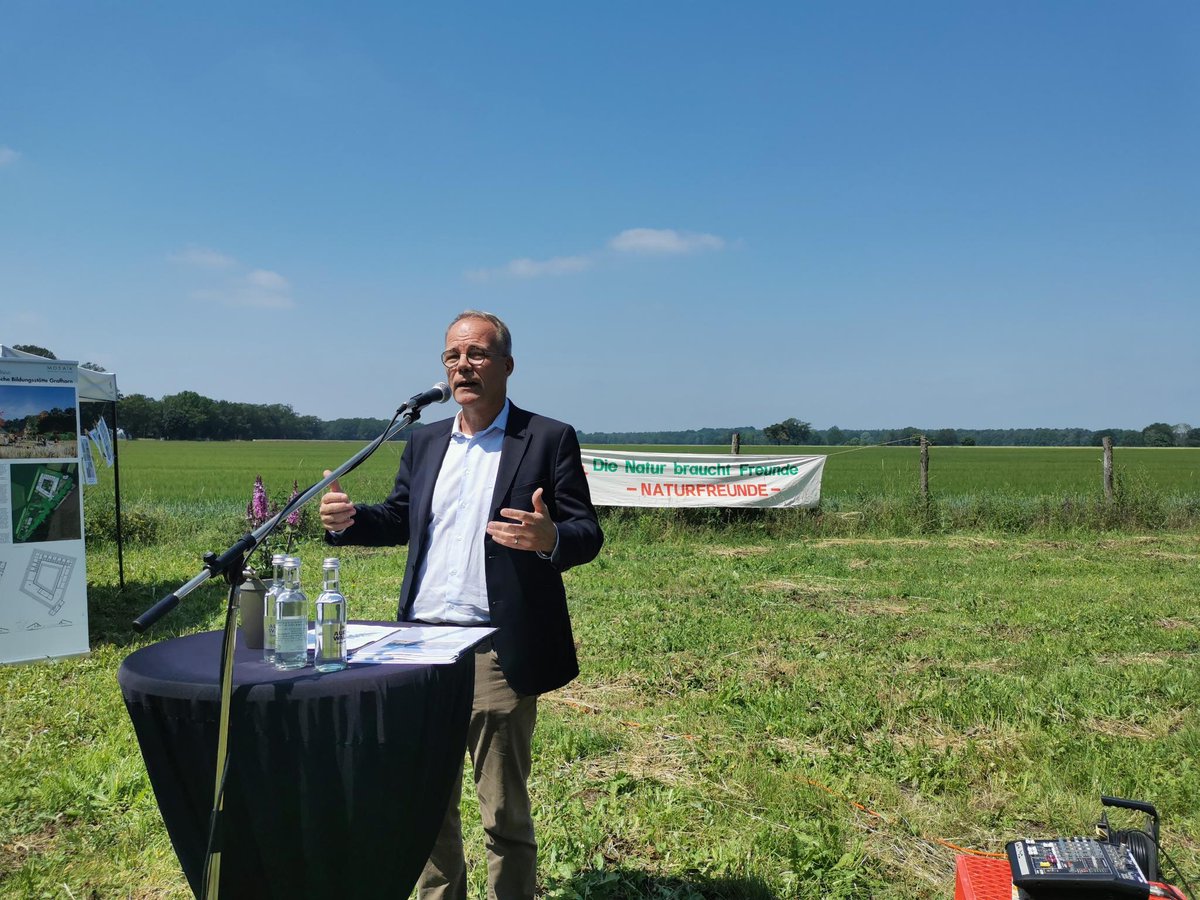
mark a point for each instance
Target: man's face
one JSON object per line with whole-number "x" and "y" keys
{"x": 478, "y": 387}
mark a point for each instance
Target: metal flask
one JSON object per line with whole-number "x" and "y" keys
{"x": 251, "y": 593}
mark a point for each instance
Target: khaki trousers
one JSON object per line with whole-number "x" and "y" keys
{"x": 499, "y": 741}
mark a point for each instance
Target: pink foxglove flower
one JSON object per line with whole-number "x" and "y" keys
{"x": 259, "y": 511}
{"x": 293, "y": 518}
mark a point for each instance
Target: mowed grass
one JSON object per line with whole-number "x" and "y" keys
{"x": 762, "y": 712}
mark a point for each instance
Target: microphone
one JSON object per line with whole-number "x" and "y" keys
{"x": 439, "y": 393}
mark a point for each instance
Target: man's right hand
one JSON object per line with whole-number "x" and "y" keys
{"x": 337, "y": 512}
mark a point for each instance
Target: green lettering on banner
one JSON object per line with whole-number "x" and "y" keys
{"x": 603, "y": 465}
{"x": 644, "y": 468}
{"x": 761, "y": 470}
{"x": 711, "y": 470}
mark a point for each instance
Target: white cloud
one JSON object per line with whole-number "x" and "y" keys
{"x": 640, "y": 241}
{"x": 241, "y": 288}
{"x": 267, "y": 280}
{"x": 243, "y": 295}
{"x": 258, "y": 289}
{"x": 533, "y": 268}
{"x": 663, "y": 241}
{"x": 202, "y": 258}
{"x": 8, "y": 155}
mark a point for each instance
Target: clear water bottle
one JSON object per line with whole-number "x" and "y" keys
{"x": 273, "y": 590}
{"x": 331, "y": 621}
{"x": 291, "y": 620}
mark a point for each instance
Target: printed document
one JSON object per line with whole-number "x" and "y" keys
{"x": 422, "y": 644}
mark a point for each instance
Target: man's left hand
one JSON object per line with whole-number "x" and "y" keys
{"x": 529, "y": 530}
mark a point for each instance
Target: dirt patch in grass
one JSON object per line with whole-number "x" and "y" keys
{"x": 826, "y": 543}
{"x": 1119, "y": 728}
{"x": 1002, "y": 664}
{"x": 930, "y": 736}
{"x": 1148, "y": 658}
{"x": 619, "y": 694}
{"x": 801, "y": 590}
{"x": 770, "y": 667}
{"x": 962, "y": 541}
{"x": 1168, "y": 556}
{"x": 650, "y": 754}
{"x": 811, "y": 748}
{"x": 1132, "y": 541}
{"x": 736, "y": 552}
{"x": 1175, "y": 624}
{"x": 14, "y": 852}
{"x": 824, "y": 596}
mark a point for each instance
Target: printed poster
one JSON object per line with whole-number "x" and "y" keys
{"x": 43, "y": 579}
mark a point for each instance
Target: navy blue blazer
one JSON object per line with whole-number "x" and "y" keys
{"x": 528, "y": 604}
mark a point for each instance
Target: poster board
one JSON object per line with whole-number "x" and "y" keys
{"x": 43, "y": 577}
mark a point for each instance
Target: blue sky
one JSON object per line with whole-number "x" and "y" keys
{"x": 690, "y": 214}
{"x": 19, "y": 402}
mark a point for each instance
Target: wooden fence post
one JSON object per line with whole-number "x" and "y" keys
{"x": 1108, "y": 468}
{"x": 736, "y": 447}
{"x": 924, "y": 468}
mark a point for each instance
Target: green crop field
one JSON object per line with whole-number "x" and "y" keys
{"x": 811, "y": 705}
{"x": 216, "y": 471}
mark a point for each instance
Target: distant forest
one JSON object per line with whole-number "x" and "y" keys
{"x": 189, "y": 416}
{"x": 1157, "y": 435}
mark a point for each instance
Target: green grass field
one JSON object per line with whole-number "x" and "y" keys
{"x": 765, "y": 710}
{"x": 202, "y": 471}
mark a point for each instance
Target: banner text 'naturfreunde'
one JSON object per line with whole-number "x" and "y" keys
{"x": 621, "y": 478}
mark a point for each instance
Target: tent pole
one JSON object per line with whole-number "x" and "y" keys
{"x": 117, "y": 491}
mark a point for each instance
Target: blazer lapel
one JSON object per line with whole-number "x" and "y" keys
{"x": 422, "y": 497}
{"x": 516, "y": 442}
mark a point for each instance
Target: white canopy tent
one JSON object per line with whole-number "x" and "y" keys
{"x": 98, "y": 387}
{"x": 92, "y": 385}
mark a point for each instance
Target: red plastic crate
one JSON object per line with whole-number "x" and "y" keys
{"x": 982, "y": 878}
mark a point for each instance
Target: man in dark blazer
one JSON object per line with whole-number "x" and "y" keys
{"x": 494, "y": 506}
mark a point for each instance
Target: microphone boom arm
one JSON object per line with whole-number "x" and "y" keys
{"x": 216, "y": 566}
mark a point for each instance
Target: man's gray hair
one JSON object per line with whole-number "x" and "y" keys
{"x": 502, "y": 332}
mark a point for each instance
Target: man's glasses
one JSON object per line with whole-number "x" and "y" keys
{"x": 475, "y": 356}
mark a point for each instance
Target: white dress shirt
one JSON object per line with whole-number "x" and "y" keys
{"x": 451, "y": 583}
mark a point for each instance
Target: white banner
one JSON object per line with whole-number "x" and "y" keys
{"x": 621, "y": 478}
{"x": 43, "y": 581}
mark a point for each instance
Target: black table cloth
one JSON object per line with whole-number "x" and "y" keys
{"x": 336, "y": 783}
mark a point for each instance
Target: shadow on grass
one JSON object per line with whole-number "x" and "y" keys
{"x": 630, "y": 884}
{"x": 111, "y": 611}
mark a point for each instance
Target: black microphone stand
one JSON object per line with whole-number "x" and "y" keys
{"x": 229, "y": 565}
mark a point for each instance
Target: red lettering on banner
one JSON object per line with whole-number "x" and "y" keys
{"x": 670, "y": 489}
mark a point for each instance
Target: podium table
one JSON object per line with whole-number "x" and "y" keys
{"x": 337, "y": 783}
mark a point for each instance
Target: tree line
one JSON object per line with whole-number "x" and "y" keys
{"x": 192, "y": 416}
{"x": 189, "y": 416}
{"x": 49, "y": 423}
{"x": 793, "y": 432}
